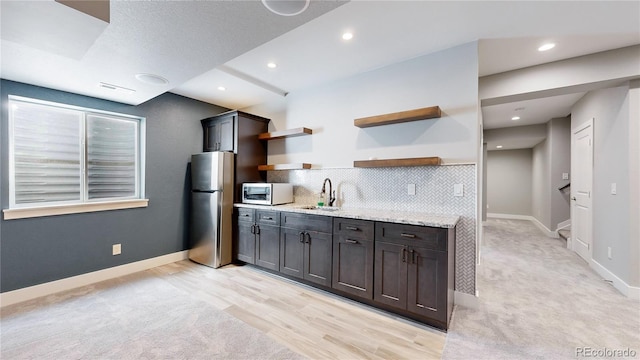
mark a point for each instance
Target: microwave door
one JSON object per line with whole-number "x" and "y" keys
{"x": 256, "y": 193}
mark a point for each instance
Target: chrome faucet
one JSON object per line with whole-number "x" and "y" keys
{"x": 332, "y": 193}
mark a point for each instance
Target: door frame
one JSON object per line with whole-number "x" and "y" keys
{"x": 570, "y": 244}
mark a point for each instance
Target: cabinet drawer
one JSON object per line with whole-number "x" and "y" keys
{"x": 423, "y": 236}
{"x": 353, "y": 229}
{"x": 307, "y": 222}
{"x": 245, "y": 214}
{"x": 267, "y": 217}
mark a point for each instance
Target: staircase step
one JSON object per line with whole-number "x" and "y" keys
{"x": 565, "y": 233}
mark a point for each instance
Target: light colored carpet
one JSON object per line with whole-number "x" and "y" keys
{"x": 539, "y": 300}
{"x": 143, "y": 317}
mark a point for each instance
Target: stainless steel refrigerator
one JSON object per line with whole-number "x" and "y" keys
{"x": 211, "y": 208}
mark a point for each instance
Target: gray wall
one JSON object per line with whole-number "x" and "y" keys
{"x": 559, "y": 137}
{"x": 611, "y": 223}
{"x": 44, "y": 249}
{"x": 509, "y": 181}
{"x": 540, "y": 189}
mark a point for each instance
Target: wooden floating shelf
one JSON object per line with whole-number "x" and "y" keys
{"x": 399, "y": 117}
{"x": 285, "y": 133}
{"x": 424, "y": 161}
{"x": 297, "y": 166}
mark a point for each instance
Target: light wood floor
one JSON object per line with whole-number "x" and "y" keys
{"x": 309, "y": 321}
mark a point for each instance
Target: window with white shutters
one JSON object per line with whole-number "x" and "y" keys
{"x": 68, "y": 155}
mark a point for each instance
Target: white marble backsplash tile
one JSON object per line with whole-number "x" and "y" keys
{"x": 386, "y": 189}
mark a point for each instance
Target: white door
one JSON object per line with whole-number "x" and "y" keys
{"x": 581, "y": 183}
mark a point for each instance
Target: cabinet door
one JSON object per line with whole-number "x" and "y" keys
{"x": 291, "y": 251}
{"x": 427, "y": 283}
{"x": 353, "y": 266}
{"x": 317, "y": 257}
{"x": 225, "y": 134}
{"x": 211, "y": 135}
{"x": 390, "y": 277}
{"x": 268, "y": 247}
{"x": 246, "y": 243}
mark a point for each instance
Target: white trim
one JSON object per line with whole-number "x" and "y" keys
{"x": 509, "y": 216}
{"x": 563, "y": 225}
{"x": 23, "y": 213}
{"x": 466, "y": 300}
{"x": 32, "y": 292}
{"x": 632, "y": 292}
{"x": 536, "y": 222}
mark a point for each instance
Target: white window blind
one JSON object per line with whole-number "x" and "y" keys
{"x": 68, "y": 155}
{"x": 111, "y": 157}
{"x": 47, "y": 154}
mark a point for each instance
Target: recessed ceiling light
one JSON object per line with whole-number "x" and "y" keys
{"x": 515, "y": 118}
{"x": 546, "y": 47}
{"x": 286, "y": 8}
{"x": 222, "y": 88}
{"x": 499, "y": 147}
{"x": 272, "y": 65}
{"x": 347, "y": 36}
{"x": 152, "y": 79}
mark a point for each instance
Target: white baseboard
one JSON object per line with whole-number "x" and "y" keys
{"x": 536, "y": 222}
{"x": 32, "y": 292}
{"x": 509, "y": 216}
{"x": 632, "y": 292}
{"x": 466, "y": 300}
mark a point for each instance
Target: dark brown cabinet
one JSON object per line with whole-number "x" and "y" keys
{"x": 353, "y": 257}
{"x": 305, "y": 247}
{"x": 412, "y": 265}
{"x": 238, "y": 131}
{"x": 258, "y": 238}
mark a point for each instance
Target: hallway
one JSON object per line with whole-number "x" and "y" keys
{"x": 539, "y": 300}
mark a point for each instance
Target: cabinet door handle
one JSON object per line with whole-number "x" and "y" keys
{"x": 352, "y": 228}
{"x": 413, "y": 259}
{"x": 350, "y": 241}
{"x": 253, "y": 229}
{"x": 308, "y": 236}
{"x": 301, "y": 236}
{"x": 411, "y": 236}
{"x": 404, "y": 255}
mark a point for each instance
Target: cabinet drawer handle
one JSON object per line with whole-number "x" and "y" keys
{"x": 407, "y": 235}
{"x": 268, "y": 218}
{"x": 245, "y": 215}
{"x": 352, "y": 228}
{"x": 350, "y": 241}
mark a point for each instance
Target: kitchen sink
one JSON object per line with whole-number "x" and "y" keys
{"x": 321, "y": 208}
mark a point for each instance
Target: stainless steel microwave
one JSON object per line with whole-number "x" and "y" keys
{"x": 267, "y": 193}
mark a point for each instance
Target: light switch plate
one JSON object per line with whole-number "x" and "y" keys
{"x": 614, "y": 189}
{"x": 116, "y": 249}
{"x": 411, "y": 189}
{"x": 458, "y": 190}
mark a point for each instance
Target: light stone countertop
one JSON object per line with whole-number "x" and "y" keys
{"x": 392, "y": 216}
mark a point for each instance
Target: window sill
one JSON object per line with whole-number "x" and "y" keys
{"x": 24, "y": 213}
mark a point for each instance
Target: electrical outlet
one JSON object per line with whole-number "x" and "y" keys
{"x": 609, "y": 252}
{"x": 458, "y": 190}
{"x": 116, "y": 249}
{"x": 411, "y": 189}
{"x": 565, "y": 176}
